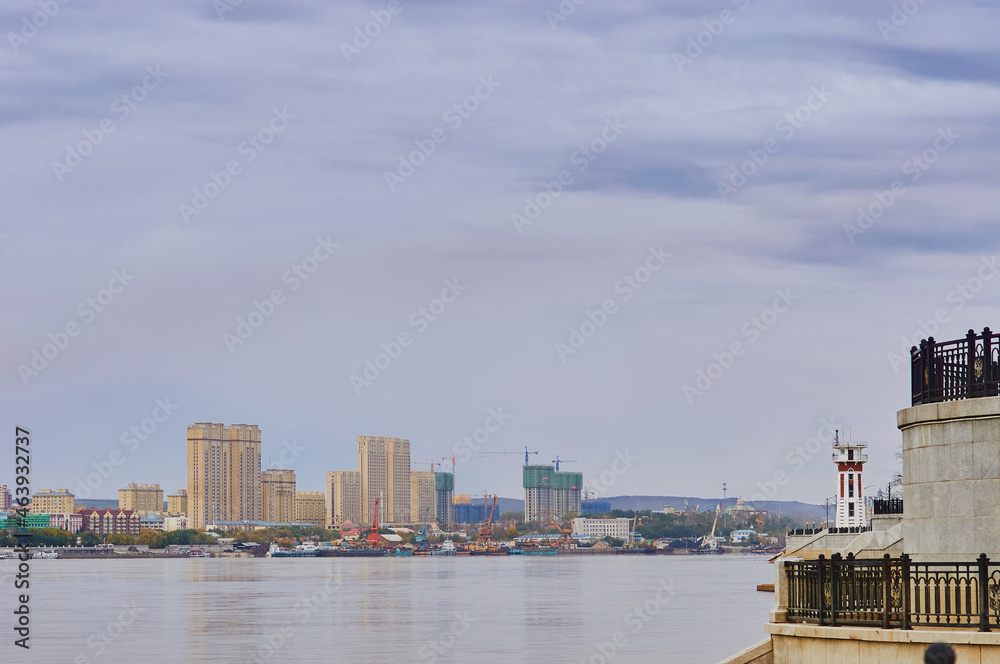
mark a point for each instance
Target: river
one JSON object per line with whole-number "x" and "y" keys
{"x": 684, "y": 609}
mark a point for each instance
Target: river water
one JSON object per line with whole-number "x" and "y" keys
{"x": 684, "y": 609}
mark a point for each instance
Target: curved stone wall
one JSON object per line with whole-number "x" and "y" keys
{"x": 951, "y": 479}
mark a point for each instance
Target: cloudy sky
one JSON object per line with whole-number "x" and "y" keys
{"x": 567, "y": 211}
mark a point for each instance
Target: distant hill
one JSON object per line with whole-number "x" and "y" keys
{"x": 802, "y": 511}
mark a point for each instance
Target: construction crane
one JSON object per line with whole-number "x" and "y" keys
{"x": 710, "y": 542}
{"x": 431, "y": 463}
{"x": 526, "y": 453}
{"x": 558, "y": 461}
{"x": 486, "y": 529}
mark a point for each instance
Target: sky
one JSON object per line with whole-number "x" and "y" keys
{"x": 674, "y": 243}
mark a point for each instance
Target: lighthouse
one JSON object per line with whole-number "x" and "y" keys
{"x": 850, "y": 461}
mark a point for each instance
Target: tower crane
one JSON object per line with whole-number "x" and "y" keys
{"x": 526, "y": 453}
{"x": 557, "y": 461}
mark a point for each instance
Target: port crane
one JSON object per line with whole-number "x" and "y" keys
{"x": 557, "y": 461}
{"x": 486, "y": 529}
{"x": 526, "y": 453}
{"x": 709, "y": 542}
{"x": 422, "y": 533}
{"x": 373, "y": 536}
{"x": 565, "y": 529}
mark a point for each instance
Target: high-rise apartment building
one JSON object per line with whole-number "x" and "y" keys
{"x": 547, "y": 492}
{"x": 141, "y": 498}
{"x": 384, "y": 464}
{"x": 47, "y": 501}
{"x": 422, "y": 495}
{"x": 310, "y": 507}
{"x": 177, "y": 503}
{"x": 277, "y": 496}
{"x": 223, "y": 473}
{"x": 444, "y": 491}
{"x": 343, "y": 498}
{"x": 6, "y": 499}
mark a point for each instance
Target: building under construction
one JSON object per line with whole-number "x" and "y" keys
{"x": 547, "y": 492}
{"x": 444, "y": 490}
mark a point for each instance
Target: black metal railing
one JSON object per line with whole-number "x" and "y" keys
{"x": 894, "y": 593}
{"x": 952, "y": 370}
{"x": 884, "y": 506}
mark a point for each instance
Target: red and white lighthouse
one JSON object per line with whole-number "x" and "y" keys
{"x": 850, "y": 460}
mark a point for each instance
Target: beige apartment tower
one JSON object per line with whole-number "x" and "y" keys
{"x": 343, "y": 498}
{"x": 223, "y": 473}
{"x": 177, "y": 503}
{"x": 422, "y": 495}
{"x": 47, "y": 501}
{"x": 384, "y": 464}
{"x": 141, "y": 498}
{"x": 310, "y": 507}
{"x": 277, "y": 496}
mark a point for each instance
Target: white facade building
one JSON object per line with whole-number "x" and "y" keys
{"x": 172, "y": 523}
{"x": 601, "y": 528}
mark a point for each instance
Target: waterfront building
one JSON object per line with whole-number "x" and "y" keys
{"x": 47, "y": 501}
{"x": 12, "y": 521}
{"x": 173, "y": 522}
{"x": 6, "y": 498}
{"x": 111, "y": 522}
{"x": 177, "y": 503}
{"x": 141, "y": 498}
{"x": 423, "y": 495}
{"x": 444, "y": 490}
{"x": 384, "y": 464}
{"x": 850, "y": 459}
{"x": 547, "y": 492}
{"x": 151, "y": 522}
{"x": 73, "y": 523}
{"x": 466, "y": 513}
{"x": 601, "y": 528}
{"x": 223, "y": 473}
{"x": 595, "y": 507}
{"x": 310, "y": 507}
{"x": 277, "y": 495}
{"x": 343, "y": 498}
